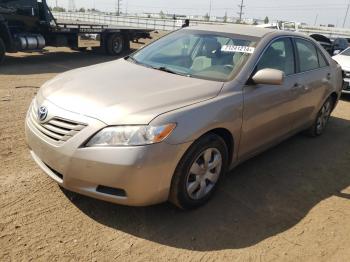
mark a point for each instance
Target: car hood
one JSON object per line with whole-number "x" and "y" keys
{"x": 343, "y": 60}
{"x": 121, "y": 92}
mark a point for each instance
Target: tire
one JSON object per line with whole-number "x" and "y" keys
{"x": 322, "y": 119}
{"x": 116, "y": 45}
{"x": 2, "y": 51}
{"x": 82, "y": 49}
{"x": 192, "y": 189}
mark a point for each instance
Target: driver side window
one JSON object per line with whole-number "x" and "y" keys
{"x": 279, "y": 55}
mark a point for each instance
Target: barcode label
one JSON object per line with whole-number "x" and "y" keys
{"x": 237, "y": 48}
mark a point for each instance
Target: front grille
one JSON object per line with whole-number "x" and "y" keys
{"x": 346, "y": 74}
{"x": 57, "y": 129}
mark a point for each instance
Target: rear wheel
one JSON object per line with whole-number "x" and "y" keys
{"x": 199, "y": 172}
{"x": 115, "y": 44}
{"x": 2, "y": 50}
{"x": 322, "y": 118}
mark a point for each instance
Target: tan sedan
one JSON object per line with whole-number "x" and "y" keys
{"x": 168, "y": 121}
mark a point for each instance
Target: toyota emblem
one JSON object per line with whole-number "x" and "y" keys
{"x": 42, "y": 113}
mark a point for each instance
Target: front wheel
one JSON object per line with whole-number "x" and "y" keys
{"x": 2, "y": 51}
{"x": 322, "y": 118}
{"x": 199, "y": 172}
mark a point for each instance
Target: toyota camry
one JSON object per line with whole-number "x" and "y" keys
{"x": 168, "y": 121}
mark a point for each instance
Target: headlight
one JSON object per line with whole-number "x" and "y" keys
{"x": 131, "y": 135}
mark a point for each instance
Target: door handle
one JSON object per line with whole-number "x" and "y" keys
{"x": 327, "y": 79}
{"x": 300, "y": 87}
{"x": 297, "y": 85}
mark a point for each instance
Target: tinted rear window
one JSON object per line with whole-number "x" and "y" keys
{"x": 308, "y": 57}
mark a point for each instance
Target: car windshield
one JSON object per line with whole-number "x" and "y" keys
{"x": 197, "y": 54}
{"x": 346, "y": 52}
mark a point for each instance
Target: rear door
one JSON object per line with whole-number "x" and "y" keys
{"x": 268, "y": 109}
{"x": 314, "y": 78}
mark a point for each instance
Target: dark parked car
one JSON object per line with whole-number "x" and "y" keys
{"x": 339, "y": 45}
{"x": 324, "y": 41}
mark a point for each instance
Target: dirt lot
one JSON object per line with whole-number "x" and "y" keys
{"x": 291, "y": 203}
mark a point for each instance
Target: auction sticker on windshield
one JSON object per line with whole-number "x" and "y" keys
{"x": 237, "y": 48}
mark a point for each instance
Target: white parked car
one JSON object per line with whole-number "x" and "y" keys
{"x": 343, "y": 60}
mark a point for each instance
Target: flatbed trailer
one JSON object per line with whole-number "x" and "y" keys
{"x": 28, "y": 25}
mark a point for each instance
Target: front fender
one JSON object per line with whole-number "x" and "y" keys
{"x": 224, "y": 111}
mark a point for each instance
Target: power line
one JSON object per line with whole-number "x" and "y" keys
{"x": 240, "y": 13}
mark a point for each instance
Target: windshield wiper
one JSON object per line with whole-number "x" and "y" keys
{"x": 133, "y": 59}
{"x": 168, "y": 70}
{"x": 161, "y": 68}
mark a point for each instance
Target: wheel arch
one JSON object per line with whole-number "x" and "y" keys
{"x": 334, "y": 97}
{"x": 228, "y": 138}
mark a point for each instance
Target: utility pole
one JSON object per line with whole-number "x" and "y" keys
{"x": 209, "y": 9}
{"x": 241, "y": 6}
{"x": 316, "y": 20}
{"x": 118, "y": 3}
{"x": 346, "y": 14}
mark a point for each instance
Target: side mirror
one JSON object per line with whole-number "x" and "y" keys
{"x": 268, "y": 76}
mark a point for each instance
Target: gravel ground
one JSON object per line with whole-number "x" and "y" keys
{"x": 291, "y": 203}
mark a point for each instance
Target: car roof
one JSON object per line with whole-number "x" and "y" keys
{"x": 237, "y": 29}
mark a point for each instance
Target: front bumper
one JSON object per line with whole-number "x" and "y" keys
{"x": 137, "y": 176}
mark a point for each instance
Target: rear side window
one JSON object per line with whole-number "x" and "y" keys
{"x": 279, "y": 55}
{"x": 321, "y": 60}
{"x": 308, "y": 57}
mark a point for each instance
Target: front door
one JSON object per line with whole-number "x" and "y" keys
{"x": 268, "y": 109}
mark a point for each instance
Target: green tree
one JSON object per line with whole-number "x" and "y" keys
{"x": 82, "y": 10}
{"x": 94, "y": 10}
{"x": 161, "y": 14}
{"x": 266, "y": 20}
{"x": 58, "y": 9}
{"x": 206, "y": 17}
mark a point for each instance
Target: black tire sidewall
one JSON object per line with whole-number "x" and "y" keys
{"x": 313, "y": 131}
{"x": 2, "y": 50}
{"x": 179, "y": 195}
{"x": 110, "y": 42}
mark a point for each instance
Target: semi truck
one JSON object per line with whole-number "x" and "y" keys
{"x": 28, "y": 26}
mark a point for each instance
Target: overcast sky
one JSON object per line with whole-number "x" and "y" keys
{"x": 326, "y": 11}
